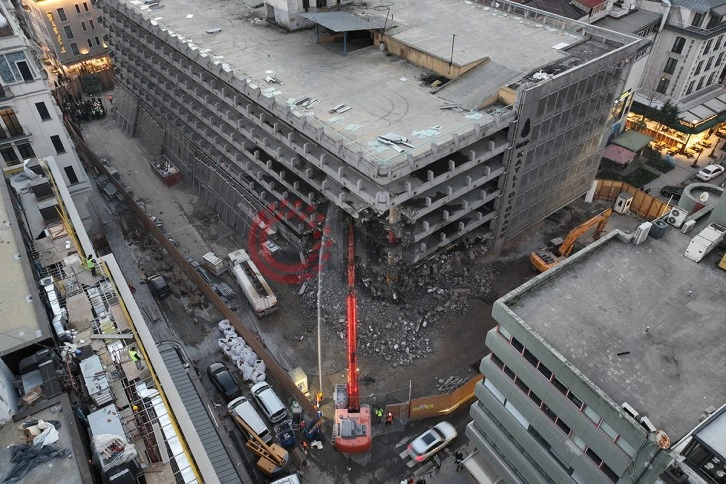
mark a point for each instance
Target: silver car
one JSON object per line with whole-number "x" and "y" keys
{"x": 431, "y": 441}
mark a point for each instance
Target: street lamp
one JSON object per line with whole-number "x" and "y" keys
{"x": 695, "y": 162}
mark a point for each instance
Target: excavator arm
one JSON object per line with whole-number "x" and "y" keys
{"x": 543, "y": 259}
{"x": 272, "y": 457}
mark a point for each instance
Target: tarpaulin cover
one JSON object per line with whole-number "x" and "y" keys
{"x": 26, "y": 457}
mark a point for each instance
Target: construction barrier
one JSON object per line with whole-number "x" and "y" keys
{"x": 643, "y": 204}
{"x": 435, "y": 405}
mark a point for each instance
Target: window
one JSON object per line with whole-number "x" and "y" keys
{"x": 98, "y": 42}
{"x": 610, "y": 473}
{"x": 719, "y": 59}
{"x": 74, "y": 49}
{"x": 70, "y": 172}
{"x": 678, "y": 45}
{"x": 708, "y": 64}
{"x": 99, "y": 20}
{"x": 573, "y": 398}
{"x": 522, "y": 386}
{"x": 707, "y": 47}
{"x": 69, "y": 32}
{"x": 90, "y": 43}
{"x": 670, "y": 66}
{"x": 558, "y": 384}
{"x": 710, "y": 78}
{"x": 9, "y": 156}
{"x": 42, "y": 110}
{"x": 519, "y": 346}
{"x": 718, "y": 42}
{"x": 691, "y": 85}
{"x": 698, "y": 68}
{"x": 517, "y": 414}
{"x": 509, "y": 373}
{"x": 497, "y": 361}
{"x": 85, "y": 6}
{"x": 90, "y": 23}
{"x": 697, "y": 20}
{"x": 544, "y": 370}
{"x": 531, "y": 358}
{"x": 83, "y": 26}
{"x": 579, "y": 442}
{"x": 549, "y": 412}
{"x": 700, "y": 83}
{"x": 26, "y": 151}
{"x": 533, "y": 396}
{"x": 663, "y": 85}
{"x": 62, "y": 15}
{"x": 627, "y": 448}
{"x": 609, "y": 431}
{"x": 11, "y": 122}
{"x": 57, "y": 144}
{"x": 563, "y": 426}
{"x": 592, "y": 415}
{"x": 504, "y": 332}
{"x": 594, "y": 457}
{"x": 78, "y": 9}
{"x": 25, "y": 71}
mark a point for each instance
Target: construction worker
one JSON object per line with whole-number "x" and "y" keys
{"x": 134, "y": 355}
{"x": 379, "y": 413}
{"x": 91, "y": 264}
{"x": 389, "y": 418}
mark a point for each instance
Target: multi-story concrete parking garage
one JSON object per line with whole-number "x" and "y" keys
{"x": 425, "y": 137}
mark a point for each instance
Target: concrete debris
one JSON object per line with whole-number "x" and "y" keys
{"x": 273, "y": 80}
{"x": 340, "y": 109}
{"x": 451, "y": 384}
{"x": 403, "y": 330}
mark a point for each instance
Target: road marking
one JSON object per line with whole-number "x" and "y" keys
{"x": 404, "y": 455}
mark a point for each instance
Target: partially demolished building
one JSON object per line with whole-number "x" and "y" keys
{"x": 425, "y": 137}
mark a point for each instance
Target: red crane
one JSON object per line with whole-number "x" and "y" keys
{"x": 352, "y": 428}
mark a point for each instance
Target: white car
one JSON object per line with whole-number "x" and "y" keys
{"x": 431, "y": 441}
{"x": 710, "y": 172}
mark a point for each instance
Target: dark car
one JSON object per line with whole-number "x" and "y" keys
{"x": 223, "y": 380}
{"x": 672, "y": 191}
{"x": 158, "y": 286}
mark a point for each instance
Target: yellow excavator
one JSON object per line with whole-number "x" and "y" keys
{"x": 549, "y": 257}
{"x": 273, "y": 458}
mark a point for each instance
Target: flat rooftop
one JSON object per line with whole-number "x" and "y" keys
{"x": 17, "y": 287}
{"x": 663, "y": 313}
{"x": 385, "y": 92}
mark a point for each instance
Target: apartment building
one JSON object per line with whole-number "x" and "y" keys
{"x": 31, "y": 123}
{"x": 602, "y": 367}
{"x": 514, "y": 136}
{"x": 70, "y": 34}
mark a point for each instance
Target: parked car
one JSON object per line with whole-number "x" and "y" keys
{"x": 223, "y": 381}
{"x": 158, "y": 286}
{"x": 710, "y": 172}
{"x": 431, "y": 441}
{"x": 672, "y": 191}
{"x": 269, "y": 402}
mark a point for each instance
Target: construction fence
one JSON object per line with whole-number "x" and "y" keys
{"x": 643, "y": 204}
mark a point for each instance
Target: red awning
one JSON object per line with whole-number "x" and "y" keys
{"x": 618, "y": 154}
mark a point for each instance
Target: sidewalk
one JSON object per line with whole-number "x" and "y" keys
{"x": 683, "y": 169}
{"x": 447, "y": 474}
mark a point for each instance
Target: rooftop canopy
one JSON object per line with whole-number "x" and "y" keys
{"x": 345, "y": 22}
{"x": 632, "y": 140}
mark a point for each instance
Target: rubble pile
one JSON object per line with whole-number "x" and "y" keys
{"x": 403, "y": 326}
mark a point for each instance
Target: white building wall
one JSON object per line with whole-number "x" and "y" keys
{"x": 8, "y": 396}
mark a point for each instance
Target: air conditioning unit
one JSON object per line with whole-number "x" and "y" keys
{"x": 676, "y": 217}
{"x": 688, "y": 226}
{"x": 622, "y": 203}
{"x": 641, "y": 233}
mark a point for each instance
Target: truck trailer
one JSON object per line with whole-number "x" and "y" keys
{"x": 256, "y": 289}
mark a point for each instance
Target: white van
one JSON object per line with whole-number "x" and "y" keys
{"x": 242, "y": 408}
{"x": 291, "y": 479}
{"x": 269, "y": 402}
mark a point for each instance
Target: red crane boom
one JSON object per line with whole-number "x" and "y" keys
{"x": 353, "y": 399}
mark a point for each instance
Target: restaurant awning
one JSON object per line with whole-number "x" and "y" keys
{"x": 632, "y": 140}
{"x": 618, "y": 154}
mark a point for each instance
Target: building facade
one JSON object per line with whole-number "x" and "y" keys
{"x": 70, "y": 34}
{"x": 32, "y": 123}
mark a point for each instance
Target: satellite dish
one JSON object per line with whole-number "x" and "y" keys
{"x": 703, "y": 198}
{"x": 662, "y": 440}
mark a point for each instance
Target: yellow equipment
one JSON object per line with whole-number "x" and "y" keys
{"x": 722, "y": 264}
{"x": 547, "y": 258}
{"x": 273, "y": 458}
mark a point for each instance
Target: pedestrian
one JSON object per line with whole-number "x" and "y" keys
{"x": 134, "y": 355}
{"x": 110, "y": 99}
{"x": 91, "y": 265}
{"x": 305, "y": 447}
{"x": 459, "y": 456}
{"x": 379, "y": 413}
{"x": 389, "y": 418}
{"x": 437, "y": 463}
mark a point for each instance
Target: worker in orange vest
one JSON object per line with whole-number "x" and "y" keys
{"x": 389, "y": 418}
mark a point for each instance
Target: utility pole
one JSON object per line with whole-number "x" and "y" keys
{"x": 451, "y": 60}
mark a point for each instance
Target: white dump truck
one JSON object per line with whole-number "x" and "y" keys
{"x": 258, "y": 292}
